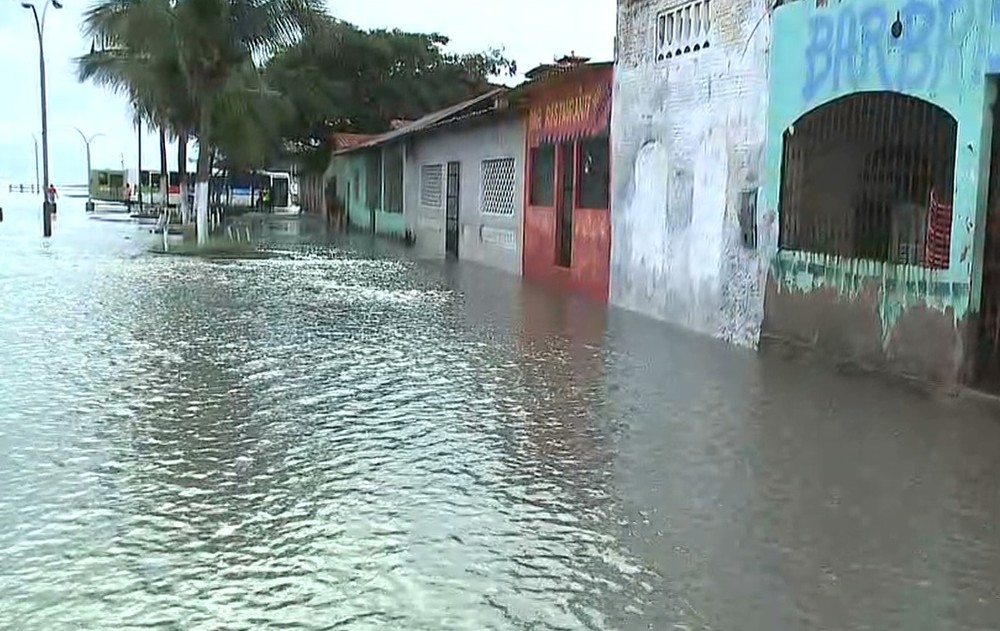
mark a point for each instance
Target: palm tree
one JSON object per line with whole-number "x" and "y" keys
{"x": 131, "y": 55}
{"x": 210, "y": 44}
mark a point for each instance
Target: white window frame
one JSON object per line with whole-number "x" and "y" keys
{"x": 683, "y": 30}
{"x": 482, "y": 186}
{"x": 442, "y": 185}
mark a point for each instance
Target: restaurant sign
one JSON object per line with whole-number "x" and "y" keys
{"x": 584, "y": 112}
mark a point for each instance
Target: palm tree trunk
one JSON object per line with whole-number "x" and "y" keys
{"x": 201, "y": 178}
{"x": 182, "y": 175}
{"x": 164, "y": 169}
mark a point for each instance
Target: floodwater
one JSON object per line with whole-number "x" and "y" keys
{"x": 342, "y": 437}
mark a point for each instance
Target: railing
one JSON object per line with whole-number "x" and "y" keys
{"x": 23, "y": 188}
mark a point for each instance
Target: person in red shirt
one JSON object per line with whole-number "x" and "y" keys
{"x": 52, "y": 194}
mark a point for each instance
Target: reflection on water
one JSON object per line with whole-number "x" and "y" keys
{"x": 343, "y": 437}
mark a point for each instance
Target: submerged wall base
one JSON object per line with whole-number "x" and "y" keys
{"x": 923, "y": 342}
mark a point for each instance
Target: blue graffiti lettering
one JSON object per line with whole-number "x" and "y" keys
{"x": 853, "y": 46}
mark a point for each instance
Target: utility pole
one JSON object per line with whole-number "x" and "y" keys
{"x": 87, "y": 141}
{"x": 138, "y": 127}
{"x": 48, "y": 205}
{"x": 38, "y": 184}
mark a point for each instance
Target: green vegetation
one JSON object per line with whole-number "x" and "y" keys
{"x": 262, "y": 81}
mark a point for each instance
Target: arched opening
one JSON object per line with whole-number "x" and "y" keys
{"x": 870, "y": 175}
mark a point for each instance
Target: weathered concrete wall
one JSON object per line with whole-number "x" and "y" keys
{"x": 349, "y": 171}
{"x": 911, "y": 319}
{"x": 312, "y": 194}
{"x": 352, "y": 182}
{"x": 487, "y": 238}
{"x": 688, "y": 134}
{"x": 589, "y": 269}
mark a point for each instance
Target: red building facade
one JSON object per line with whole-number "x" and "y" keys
{"x": 567, "y": 223}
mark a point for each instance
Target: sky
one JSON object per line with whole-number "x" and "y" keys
{"x": 529, "y": 31}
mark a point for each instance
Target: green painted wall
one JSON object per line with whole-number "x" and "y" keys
{"x": 946, "y": 49}
{"x": 352, "y": 180}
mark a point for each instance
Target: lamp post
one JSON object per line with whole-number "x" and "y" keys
{"x": 48, "y": 206}
{"x": 38, "y": 184}
{"x": 87, "y": 141}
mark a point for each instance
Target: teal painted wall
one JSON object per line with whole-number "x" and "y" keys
{"x": 821, "y": 53}
{"x": 351, "y": 169}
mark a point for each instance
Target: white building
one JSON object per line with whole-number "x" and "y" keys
{"x": 688, "y": 137}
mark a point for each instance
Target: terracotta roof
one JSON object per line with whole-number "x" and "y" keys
{"x": 561, "y": 64}
{"x": 343, "y": 140}
{"x": 460, "y": 111}
{"x": 564, "y": 74}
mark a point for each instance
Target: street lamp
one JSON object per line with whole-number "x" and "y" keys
{"x": 87, "y": 141}
{"x": 48, "y": 206}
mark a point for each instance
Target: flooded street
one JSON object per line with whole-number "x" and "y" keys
{"x": 343, "y": 437}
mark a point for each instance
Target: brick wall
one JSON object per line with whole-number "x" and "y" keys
{"x": 688, "y": 136}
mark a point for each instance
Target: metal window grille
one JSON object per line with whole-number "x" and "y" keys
{"x": 497, "y": 189}
{"x": 394, "y": 179}
{"x": 870, "y": 175}
{"x": 431, "y": 178}
{"x": 684, "y": 29}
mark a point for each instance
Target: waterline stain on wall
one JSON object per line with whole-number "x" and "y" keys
{"x": 938, "y": 51}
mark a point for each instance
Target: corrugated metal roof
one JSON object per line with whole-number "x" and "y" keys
{"x": 433, "y": 119}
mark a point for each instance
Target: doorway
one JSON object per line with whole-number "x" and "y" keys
{"x": 564, "y": 213}
{"x": 347, "y": 207}
{"x": 987, "y": 368}
{"x": 451, "y": 209}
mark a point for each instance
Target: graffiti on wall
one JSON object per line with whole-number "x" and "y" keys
{"x": 910, "y": 46}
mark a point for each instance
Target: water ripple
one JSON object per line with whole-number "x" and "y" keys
{"x": 343, "y": 438}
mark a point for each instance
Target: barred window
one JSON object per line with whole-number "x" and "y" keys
{"x": 683, "y": 30}
{"x": 543, "y": 176}
{"x": 431, "y": 178}
{"x": 394, "y": 179}
{"x": 374, "y": 180}
{"x": 497, "y": 190}
{"x": 594, "y": 172}
{"x": 870, "y": 176}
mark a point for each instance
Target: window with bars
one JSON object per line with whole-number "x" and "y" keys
{"x": 542, "y": 184}
{"x": 683, "y": 30}
{"x": 431, "y": 180}
{"x": 870, "y": 175}
{"x": 593, "y": 172}
{"x": 497, "y": 196}
{"x": 394, "y": 179}
{"x": 373, "y": 180}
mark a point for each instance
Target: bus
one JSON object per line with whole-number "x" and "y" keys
{"x": 174, "y": 187}
{"x": 107, "y": 185}
{"x": 150, "y": 186}
{"x": 245, "y": 190}
{"x": 146, "y": 183}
